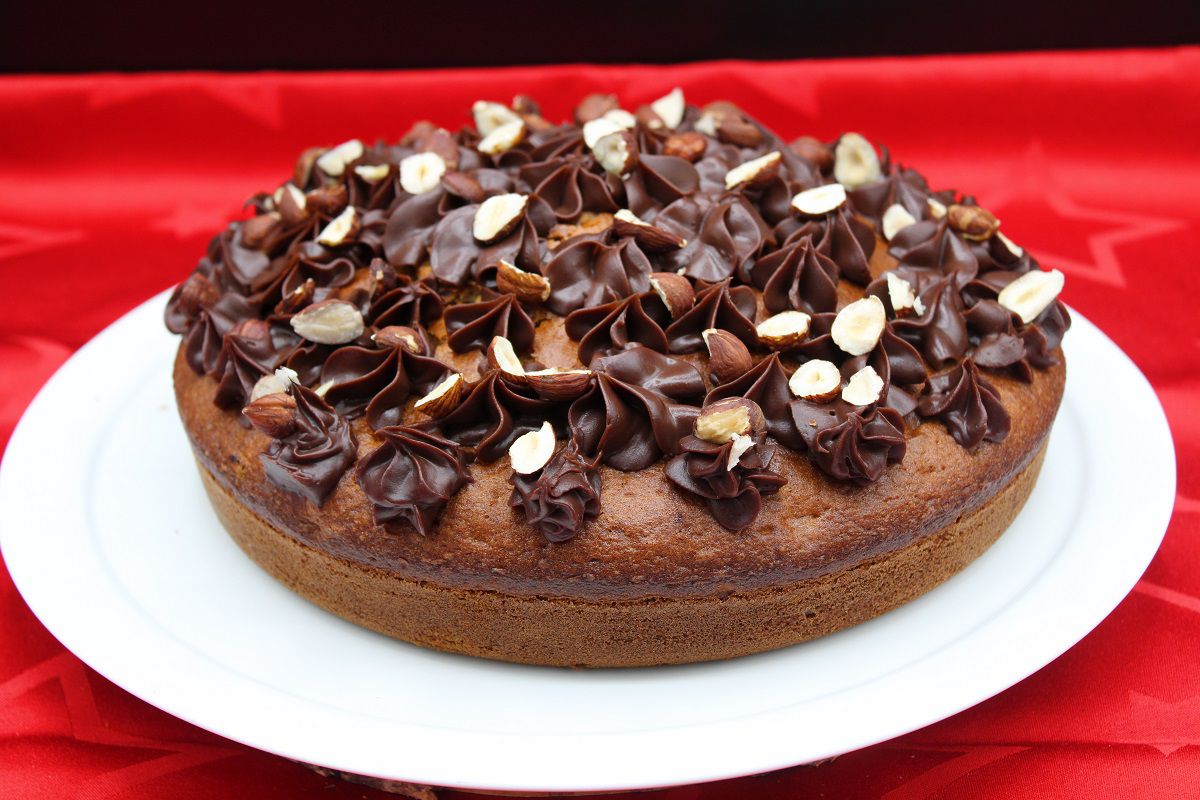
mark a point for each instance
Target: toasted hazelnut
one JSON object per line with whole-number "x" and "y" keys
{"x": 936, "y": 209}
{"x": 616, "y": 152}
{"x": 594, "y": 106}
{"x": 1030, "y": 294}
{"x": 531, "y": 451}
{"x": 441, "y": 143}
{"x": 422, "y": 172}
{"x": 814, "y": 151}
{"x": 304, "y": 165}
{"x": 298, "y": 298}
{"x": 741, "y": 445}
{"x": 278, "y": 381}
{"x": 688, "y": 145}
{"x": 524, "y": 104}
{"x": 675, "y": 291}
{"x": 498, "y": 216}
{"x": 864, "y": 387}
{"x": 373, "y": 173}
{"x": 252, "y": 329}
{"x": 1012, "y": 247}
{"x": 490, "y": 116}
{"x": 670, "y": 108}
{"x": 463, "y": 186}
{"x": 528, "y": 286}
{"x": 719, "y": 422}
{"x": 291, "y": 203}
{"x": 820, "y": 200}
{"x": 597, "y": 129}
{"x": 559, "y": 384}
{"x": 895, "y": 219}
{"x": 739, "y": 131}
{"x": 256, "y": 229}
{"x": 621, "y": 118}
{"x": 333, "y": 161}
{"x": 974, "y": 223}
{"x": 754, "y": 172}
{"x": 329, "y": 322}
{"x": 502, "y": 356}
{"x": 399, "y": 336}
{"x": 857, "y": 327}
{"x": 855, "y": 162}
{"x": 728, "y": 357}
{"x": 649, "y": 237}
{"x": 443, "y": 398}
{"x": 590, "y": 222}
{"x": 784, "y": 330}
{"x": 905, "y": 302}
{"x": 273, "y": 414}
{"x": 816, "y": 381}
{"x": 341, "y": 229}
{"x": 418, "y": 134}
{"x": 329, "y": 199}
{"x": 707, "y": 124}
{"x": 197, "y": 293}
{"x": 503, "y": 139}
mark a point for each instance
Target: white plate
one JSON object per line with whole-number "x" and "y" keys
{"x": 111, "y": 540}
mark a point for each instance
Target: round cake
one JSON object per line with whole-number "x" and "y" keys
{"x": 645, "y": 387}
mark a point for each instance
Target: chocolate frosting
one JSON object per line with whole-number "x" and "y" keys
{"x": 560, "y": 496}
{"x": 723, "y": 237}
{"x": 904, "y": 187}
{"x": 406, "y": 302}
{"x": 572, "y": 185}
{"x": 767, "y": 385}
{"x": 249, "y": 352}
{"x": 410, "y": 477}
{"x": 626, "y": 426}
{"x": 455, "y": 256}
{"x": 1041, "y": 338}
{"x": 720, "y": 306}
{"x": 204, "y": 325}
{"x": 589, "y": 271}
{"x": 734, "y": 496}
{"x": 940, "y": 333}
{"x": 310, "y": 461}
{"x": 850, "y": 443}
{"x": 474, "y": 325}
{"x": 658, "y": 181}
{"x": 797, "y": 276}
{"x": 641, "y": 366}
{"x": 377, "y": 382}
{"x": 934, "y": 246}
{"x": 493, "y": 414}
{"x": 966, "y": 404}
{"x": 639, "y": 318}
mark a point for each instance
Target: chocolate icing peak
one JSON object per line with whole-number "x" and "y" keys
{"x": 904, "y": 187}
{"x": 719, "y": 306}
{"x": 473, "y": 325}
{"x": 587, "y": 271}
{"x": 408, "y": 302}
{"x": 627, "y": 427}
{"x": 734, "y": 496}
{"x": 377, "y": 382}
{"x": 600, "y": 330}
{"x": 493, "y": 414}
{"x": 966, "y": 404}
{"x": 850, "y": 443}
{"x": 310, "y": 462}
{"x": 723, "y": 236}
{"x": 559, "y": 497}
{"x": 569, "y": 187}
{"x": 767, "y": 385}
{"x": 246, "y": 357}
{"x": 797, "y": 276}
{"x": 934, "y": 246}
{"x": 410, "y": 477}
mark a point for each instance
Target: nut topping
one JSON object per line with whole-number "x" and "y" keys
{"x": 670, "y": 108}
{"x": 532, "y": 451}
{"x": 333, "y": 162}
{"x": 278, "y": 381}
{"x": 616, "y": 152}
{"x": 590, "y": 222}
{"x": 329, "y": 322}
{"x": 329, "y": 199}
{"x": 559, "y": 384}
{"x": 528, "y": 286}
{"x": 1030, "y": 294}
{"x": 498, "y": 216}
{"x": 341, "y": 229}
{"x": 783, "y": 330}
{"x": 728, "y": 357}
{"x": 291, "y": 203}
{"x": 688, "y": 145}
{"x": 857, "y": 327}
{"x": 754, "y": 172}
{"x": 490, "y": 116}
{"x": 621, "y": 118}
{"x": 256, "y": 229}
{"x": 443, "y": 398}
{"x": 855, "y": 162}
{"x": 739, "y": 131}
{"x": 904, "y": 300}
{"x": 594, "y": 106}
{"x": 422, "y": 172}
{"x": 675, "y": 291}
{"x": 741, "y": 444}
{"x": 814, "y": 151}
{"x": 820, "y": 200}
{"x": 597, "y": 129}
{"x": 464, "y": 186}
{"x": 817, "y": 381}
{"x": 648, "y": 237}
{"x": 896, "y": 219}
{"x": 502, "y": 356}
{"x": 372, "y": 173}
{"x": 721, "y": 421}
{"x": 198, "y": 292}
{"x": 1010, "y": 245}
{"x": 504, "y": 138}
{"x": 864, "y": 387}
{"x": 974, "y": 223}
{"x": 273, "y": 414}
{"x": 398, "y": 336}
{"x": 936, "y": 209}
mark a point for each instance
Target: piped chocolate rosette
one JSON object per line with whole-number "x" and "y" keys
{"x": 672, "y": 288}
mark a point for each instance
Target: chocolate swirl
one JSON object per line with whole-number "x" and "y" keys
{"x": 560, "y": 496}
{"x": 658, "y": 181}
{"x": 797, "y": 276}
{"x": 625, "y": 426}
{"x": 406, "y": 302}
{"x": 411, "y": 225}
{"x": 639, "y": 318}
{"x": 641, "y": 366}
{"x": 850, "y": 443}
{"x": 841, "y": 237}
{"x": 570, "y": 186}
{"x": 377, "y": 382}
{"x": 720, "y": 306}
{"x": 940, "y": 332}
{"x": 410, "y": 477}
{"x": 966, "y": 404}
{"x": 934, "y": 246}
{"x": 311, "y": 460}
{"x": 455, "y": 256}
{"x": 587, "y": 271}
{"x": 733, "y": 495}
{"x": 204, "y": 323}
{"x": 767, "y": 385}
{"x": 723, "y": 237}
{"x": 248, "y": 352}
{"x": 493, "y": 414}
{"x": 1041, "y": 338}
{"x": 473, "y": 325}
{"x": 904, "y": 187}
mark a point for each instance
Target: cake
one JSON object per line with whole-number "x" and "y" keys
{"x": 639, "y": 388}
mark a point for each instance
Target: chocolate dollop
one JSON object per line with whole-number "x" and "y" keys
{"x": 966, "y": 404}
{"x": 560, "y": 496}
{"x": 733, "y": 494}
{"x": 473, "y": 325}
{"x": 410, "y": 477}
{"x": 312, "y": 459}
{"x": 850, "y": 443}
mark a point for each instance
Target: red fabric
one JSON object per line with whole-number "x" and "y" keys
{"x": 110, "y": 187}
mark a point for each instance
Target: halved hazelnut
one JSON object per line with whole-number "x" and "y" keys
{"x": 621, "y": 118}
{"x": 649, "y": 237}
{"x": 754, "y": 172}
{"x": 1030, "y": 294}
{"x": 816, "y": 381}
{"x": 820, "y": 200}
{"x": 334, "y": 160}
{"x": 498, "y": 216}
{"x": 328, "y": 199}
{"x": 1010, "y": 245}
{"x": 904, "y": 300}
{"x": 597, "y": 129}
{"x": 502, "y": 356}
{"x": 443, "y": 398}
{"x": 594, "y": 106}
{"x": 398, "y": 336}
{"x": 741, "y": 445}
{"x": 814, "y": 151}
{"x": 329, "y": 322}
{"x": 896, "y": 219}
{"x": 719, "y": 422}
{"x": 936, "y": 209}
{"x": 728, "y": 357}
{"x": 670, "y": 108}
{"x": 855, "y": 162}
{"x": 974, "y": 223}
{"x": 531, "y": 451}
{"x": 464, "y": 186}
{"x": 341, "y": 229}
{"x": 503, "y": 139}
{"x": 278, "y": 381}
{"x": 616, "y": 152}
{"x": 688, "y": 145}
{"x": 707, "y": 124}
{"x": 273, "y": 414}
{"x": 291, "y": 203}
{"x": 739, "y": 131}
{"x": 857, "y": 327}
{"x": 528, "y": 286}
{"x": 864, "y": 387}
{"x": 675, "y": 291}
{"x": 559, "y": 384}
{"x": 784, "y": 330}
{"x": 441, "y": 142}
{"x": 372, "y": 173}
{"x": 421, "y": 172}
{"x": 256, "y": 229}
{"x": 490, "y": 116}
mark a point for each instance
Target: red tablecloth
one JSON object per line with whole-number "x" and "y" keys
{"x": 111, "y": 185}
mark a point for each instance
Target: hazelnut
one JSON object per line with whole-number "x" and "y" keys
{"x": 498, "y": 216}
{"x": 422, "y": 172}
{"x": 728, "y": 357}
{"x": 864, "y": 387}
{"x": 648, "y": 237}
{"x": 463, "y": 186}
{"x": 527, "y": 286}
{"x": 502, "y": 356}
{"x": 490, "y": 116}
{"x": 595, "y": 106}
{"x": 936, "y": 209}
{"x": 905, "y": 302}
{"x": 814, "y": 151}
{"x": 533, "y": 450}
{"x": 443, "y": 398}
{"x": 754, "y": 172}
{"x": 820, "y": 200}
{"x": 373, "y": 173}
{"x": 280, "y": 380}
{"x": 621, "y": 118}
{"x": 341, "y": 229}
{"x": 895, "y": 219}
{"x": 816, "y": 381}
{"x": 1012, "y": 247}
{"x": 688, "y": 145}
{"x": 197, "y": 293}
{"x": 256, "y": 229}
{"x": 741, "y": 445}
{"x": 559, "y": 384}
{"x": 721, "y": 421}
{"x": 855, "y": 162}
{"x": 329, "y": 322}
{"x": 670, "y": 107}
{"x": 739, "y": 132}
{"x": 327, "y": 199}
{"x": 503, "y": 139}
{"x": 291, "y": 203}
{"x": 1030, "y": 294}
{"x": 616, "y": 152}
{"x": 273, "y": 414}
{"x": 399, "y": 336}
{"x": 333, "y": 161}
{"x": 857, "y": 327}
{"x": 304, "y": 165}
{"x": 974, "y": 223}
{"x": 597, "y": 129}
{"x": 784, "y": 330}
{"x": 675, "y": 291}
{"x": 441, "y": 143}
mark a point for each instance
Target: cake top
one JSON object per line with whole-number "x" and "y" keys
{"x": 674, "y": 288}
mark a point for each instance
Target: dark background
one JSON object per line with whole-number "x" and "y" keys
{"x": 302, "y": 34}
